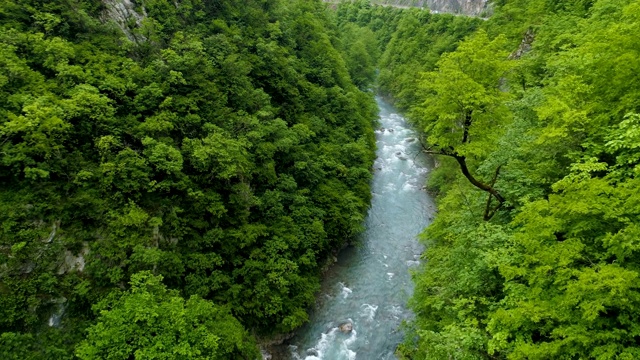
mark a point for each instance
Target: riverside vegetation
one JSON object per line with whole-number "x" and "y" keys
{"x": 534, "y": 118}
{"x": 172, "y": 183}
{"x": 174, "y": 174}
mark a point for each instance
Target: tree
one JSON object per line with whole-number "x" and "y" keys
{"x": 151, "y": 322}
{"x": 360, "y": 53}
{"x": 464, "y": 110}
{"x": 571, "y": 272}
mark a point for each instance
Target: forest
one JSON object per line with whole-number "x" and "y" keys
{"x": 534, "y": 118}
{"x": 175, "y": 176}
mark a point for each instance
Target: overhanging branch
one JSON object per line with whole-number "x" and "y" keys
{"x": 462, "y": 161}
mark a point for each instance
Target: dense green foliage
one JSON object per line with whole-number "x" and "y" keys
{"x": 221, "y": 145}
{"x": 554, "y": 129}
{"x": 172, "y": 180}
{"x": 410, "y": 41}
{"x": 415, "y": 47}
{"x": 152, "y": 322}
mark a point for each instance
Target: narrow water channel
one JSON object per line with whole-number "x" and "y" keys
{"x": 370, "y": 284}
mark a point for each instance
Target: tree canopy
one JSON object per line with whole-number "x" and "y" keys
{"x": 541, "y": 103}
{"x": 220, "y": 145}
{"x": 150, "y": 322}
{"x": 180, "y": 172}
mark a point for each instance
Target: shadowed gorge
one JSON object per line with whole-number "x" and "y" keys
{"x": 369, "y": 286}
{"x": 204, "y": 179}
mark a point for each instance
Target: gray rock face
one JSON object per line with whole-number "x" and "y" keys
{"x": 468, "y": 7}
{"x": 74, "y": 262}
{"x": 525, "y": 45}
{"x": 122, "y": 12}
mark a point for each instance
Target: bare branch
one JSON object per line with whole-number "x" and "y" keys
{"x": 462, "y": 161}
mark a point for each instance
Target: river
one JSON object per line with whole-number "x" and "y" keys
{"x": 370, "y": 284}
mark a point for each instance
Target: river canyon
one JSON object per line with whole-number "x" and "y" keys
{"x": 364, "y": 296}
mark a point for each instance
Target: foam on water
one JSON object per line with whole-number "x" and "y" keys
{"x": 376, "y": 270}
{"x": 324, "y": 343}
{"x": 351, "y": 355}
{"x": 350, "y": 340}
{"x": 395, "y": 311}
{"x": 390, "y": 276}
{"x": 409, "y": 187}
{"x": 369, "y": 311}
{"x": 345, "y": 291}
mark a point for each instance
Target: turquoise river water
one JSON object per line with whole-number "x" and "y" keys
{"x": 370, "y": 284}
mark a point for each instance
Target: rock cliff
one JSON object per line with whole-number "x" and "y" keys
{"x": 467, "y": 7}
{"x": 127, "y": 15}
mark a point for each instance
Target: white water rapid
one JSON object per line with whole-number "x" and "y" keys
{"x": 370, "y": 284}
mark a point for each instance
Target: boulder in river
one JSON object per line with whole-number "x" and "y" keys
{"x": 401, "y": 156}
{"x": 346, "y": 327}
{"x": 312, "y": 352}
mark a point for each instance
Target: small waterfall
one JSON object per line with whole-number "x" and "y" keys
{"x": 60, "y": 306}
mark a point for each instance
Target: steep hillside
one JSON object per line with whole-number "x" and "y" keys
{"x": 534, "y": 119}
{"x": 466, "y": 7}
{"x": 192, "y": 163}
